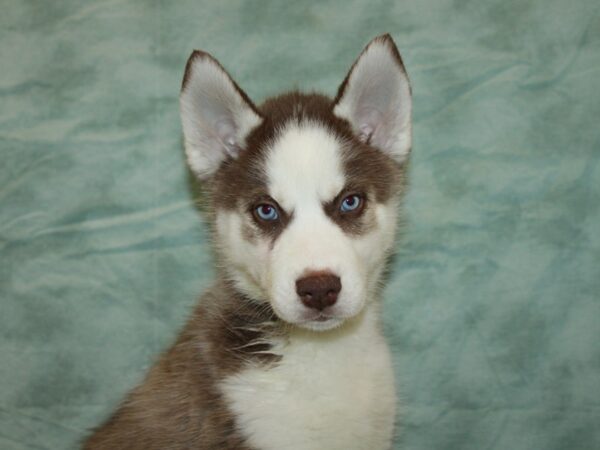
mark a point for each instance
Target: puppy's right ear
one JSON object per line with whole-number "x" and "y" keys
{"x": 215, "y": 113}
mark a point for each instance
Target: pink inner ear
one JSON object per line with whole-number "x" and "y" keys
{"x": 366, "y": 131}
{"x": 368, "y": 118}
{"x": 226, "y": 131}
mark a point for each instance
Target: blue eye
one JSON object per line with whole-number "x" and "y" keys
{"x": 266, "y": 212}
{"x": 351, "y": 203}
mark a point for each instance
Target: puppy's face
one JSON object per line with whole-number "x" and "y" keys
{"x": 304, "y": 189}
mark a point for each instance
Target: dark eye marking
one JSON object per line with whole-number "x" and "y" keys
{"x": 270, "y": 218}
{"x": 349, "y": 203}
{"x": 347, "y": 210}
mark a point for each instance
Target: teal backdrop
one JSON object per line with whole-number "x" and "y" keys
{"x": 493, "y": 303}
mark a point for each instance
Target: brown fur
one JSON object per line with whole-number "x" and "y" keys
{"x": 179, "y": 406}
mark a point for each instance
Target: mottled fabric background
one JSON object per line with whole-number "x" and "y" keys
{"x": 493, "y": 304}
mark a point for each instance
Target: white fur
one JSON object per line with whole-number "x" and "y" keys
{"x": 304, "y": 166}
{"x": 215, "y": 117}
{"x": 333, "y": 390}
{"x": 377, "y": 101}
{"x": 248, "y": 262}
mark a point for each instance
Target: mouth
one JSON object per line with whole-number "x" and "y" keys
{"x": 319, "y": 316}
{"x": 322, "y": 318}
{"x": 321, "y": 322}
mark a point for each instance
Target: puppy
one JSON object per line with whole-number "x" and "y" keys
{"x": 285, "y": 350}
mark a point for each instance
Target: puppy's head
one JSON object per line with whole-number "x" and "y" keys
{"x": 304, "y": 189}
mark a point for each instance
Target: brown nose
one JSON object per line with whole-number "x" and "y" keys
{"x": 318, "y": 291}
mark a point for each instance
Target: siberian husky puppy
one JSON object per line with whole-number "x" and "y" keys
{"x": 285, "y": 350}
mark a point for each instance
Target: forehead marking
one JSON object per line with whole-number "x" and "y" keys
{"x": 304, "y": 165}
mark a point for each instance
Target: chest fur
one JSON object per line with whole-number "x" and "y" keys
{"x": 333, "y": 391}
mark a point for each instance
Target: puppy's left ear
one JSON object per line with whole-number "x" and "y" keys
{"x": 376, "y": 99}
